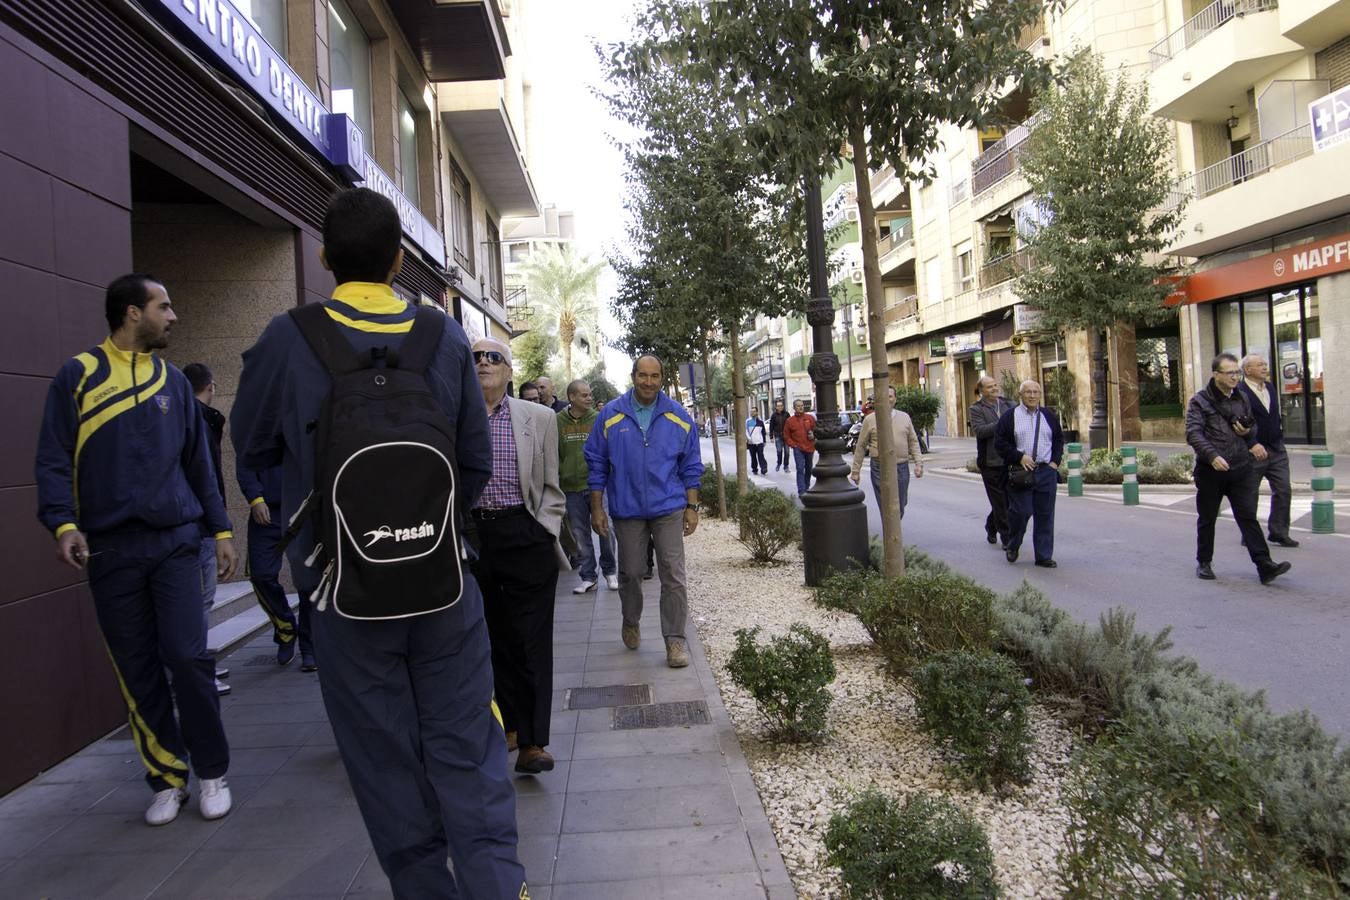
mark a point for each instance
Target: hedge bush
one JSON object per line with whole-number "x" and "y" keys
{"x": 922, "y": 848}
{"x": 844, "y": 591}
{"x": 707, "y": 493}
{"x": 927, "y": 612}
{"x": 976, "y": 706}
{"x": 787, "y": 677}
{"x": 769, "y": 523}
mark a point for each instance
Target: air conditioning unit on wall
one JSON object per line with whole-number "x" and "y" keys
{"x": 852, "y": 214}
{"x": 856, "y": 275}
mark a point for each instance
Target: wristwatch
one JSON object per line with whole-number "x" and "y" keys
{"x": 693, "y": 506}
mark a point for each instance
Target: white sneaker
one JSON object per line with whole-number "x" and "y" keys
{"x": 584, "y": 587}
{"x": 214, "y": 801}
{"x": 164, "y": 808}
{"x": 612, "y": 582}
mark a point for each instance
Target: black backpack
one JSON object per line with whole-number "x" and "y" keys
{"x": 384, "y": 500}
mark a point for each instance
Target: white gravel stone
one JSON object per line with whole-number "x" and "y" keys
{"x": 874, "y": 737}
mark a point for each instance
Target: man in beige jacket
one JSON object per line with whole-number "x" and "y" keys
{"x": 906, "y": 448}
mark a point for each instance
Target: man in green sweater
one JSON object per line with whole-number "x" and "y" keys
{"x": 574, "y": 426}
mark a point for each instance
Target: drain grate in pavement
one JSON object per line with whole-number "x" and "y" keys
{"x": 608, "y": 695}
{"x": 662, "y": 715}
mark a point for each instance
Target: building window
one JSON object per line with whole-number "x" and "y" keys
{"x": 461, "y": 219}
{"x": 927, "y": 206}
{"x": 409, "y": 171}
{"x": 349, "y": 65}
{"x": 494, "y": 261}
{"x": 520, "y": 252}
{"x": 965, "y": 267}
{"x": 932, "y": 270}
{"x": 269, "y": 17}
{"x": 1158, "y": 354}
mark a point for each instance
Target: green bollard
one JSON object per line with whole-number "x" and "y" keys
{"x": 1075, "y": 461}
{"x": 1323, "y": 506}
{"x": 1130, "y": 469}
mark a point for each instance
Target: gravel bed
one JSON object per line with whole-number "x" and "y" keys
{"x": 874, "y": 737}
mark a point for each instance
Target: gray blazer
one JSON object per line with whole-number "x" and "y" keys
{"x": 983, "y": 419}
{"x": 535, "y": 429}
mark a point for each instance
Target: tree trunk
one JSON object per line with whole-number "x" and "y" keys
{"x": 893, "y": 549}
{"x": 739, "y": 414}
{"x": 566, "y": 332}
{"x": 712, "y": 427}
{"x": 1097, "y": 428}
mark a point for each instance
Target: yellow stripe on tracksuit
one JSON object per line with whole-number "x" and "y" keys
{"x": 612, "y": 420}
{"x": 497, "y": 713}
{"x": 678, "y": 421}
{"x": 285, "y": 632}
{"x": 142, "y": 394}
{"x": 159, "y": 761}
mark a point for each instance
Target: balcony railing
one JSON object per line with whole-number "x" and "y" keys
{"x": 1004, "y": 268}
{"x": 1250, "y": 163}
{"x": 880, "y": 180}
{"x": 897, "y": 238}
{"x": 1202, "y": 24}
{"x": 1000, "y": 160}
{"x": 901, "y": 309}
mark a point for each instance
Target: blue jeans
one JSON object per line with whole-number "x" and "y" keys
{"x": 1038, "y": 502}
{"x": 902, "y": 472}
{"x": 803, "y": 462}
{"x": 579, "y": 520}
{"x": 783, "y": 458}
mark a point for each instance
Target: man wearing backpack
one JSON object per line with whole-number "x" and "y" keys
{"x": 386, "y": 427}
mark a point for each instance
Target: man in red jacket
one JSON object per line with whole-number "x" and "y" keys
{"x": 797, "y": 432}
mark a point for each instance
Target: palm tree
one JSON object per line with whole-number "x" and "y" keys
{"x": 562, "y": 285}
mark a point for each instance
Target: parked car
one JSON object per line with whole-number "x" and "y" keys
{"x": 722, "y": 426}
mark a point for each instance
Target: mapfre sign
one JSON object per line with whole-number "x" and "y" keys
{"x": 1302, "y": 263}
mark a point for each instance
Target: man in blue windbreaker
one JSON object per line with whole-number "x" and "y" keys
{"x": 644, "y": 451}
{"x": 125, "y": 481}
{"x": 409, "y": 699}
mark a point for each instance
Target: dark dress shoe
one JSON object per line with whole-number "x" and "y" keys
{"x": 991, "y": 535}
{"x": 1270, "y": 573}
{"x": 1285, "y": 541}
{"x": 1204, "y": 571}
{"x": 1011, "y": 554}
{"x": 1047, "y": 563}
{"x": 533, "y": 760}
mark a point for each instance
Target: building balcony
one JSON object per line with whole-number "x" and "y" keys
{"x": 1315, "y": 23}
{"x": 1003, "y": 268}
{"x": 475, "y": 116}
{"x": 456, "y": 40}
{"x": 995, "y": 176}
{"x": 1208, "y": 64}
{"x": 1273, "y": 187}
{"x": 889, "y": 192}
{"x": 896, "y": 248}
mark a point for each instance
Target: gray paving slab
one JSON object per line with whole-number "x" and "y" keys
{"x": 664, "y": 812}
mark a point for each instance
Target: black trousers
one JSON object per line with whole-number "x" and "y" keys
{"x": 518, "y": 572}
{"x": 1240, "y": 487}
{"x": 757, "y": 461}
{"x": 996, "y": 489}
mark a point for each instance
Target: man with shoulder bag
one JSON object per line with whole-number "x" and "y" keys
{"x": 1030, "y": 442}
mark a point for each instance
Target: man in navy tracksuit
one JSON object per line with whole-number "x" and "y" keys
{"x": 262, "y": 489}
{"x": 125, "y": 478}
{"x": 410, "y": 699}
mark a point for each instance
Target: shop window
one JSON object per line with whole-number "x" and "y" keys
{"x": 461, "y": 219}
{"x": 1158, "y": 354}
{"x": 494, "y": 261}
{"x": 1228, "y": 328}
{"x": 349, "y": 66}
{"x": 409, "y": 170}
{"x": 269, "y": 17}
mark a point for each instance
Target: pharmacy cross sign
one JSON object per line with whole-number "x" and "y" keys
{"x": 1330, "y": 117}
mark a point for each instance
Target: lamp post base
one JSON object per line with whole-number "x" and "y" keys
{"x": 834, "y": 518}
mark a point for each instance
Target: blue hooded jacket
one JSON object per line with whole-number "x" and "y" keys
{"x": 645, "y": 477}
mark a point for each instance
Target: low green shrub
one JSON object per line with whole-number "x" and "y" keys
{"x": 1104, "y": 468}
{"x": 927, "y": 612}
{"x": 769, "y": 523}
{"x": 787, "y": 678}
{"x": 1172, "y": 814}
{"x": 924, "y": 847}
{"x": 707, "y": 493}
{"x": 844, "y": 591}
{"x": 976, "y": 706}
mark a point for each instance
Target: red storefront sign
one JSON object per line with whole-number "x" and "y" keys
{"x": 1302, "y": 263}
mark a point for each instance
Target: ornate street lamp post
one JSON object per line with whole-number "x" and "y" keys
{"x": 834, "y": 521}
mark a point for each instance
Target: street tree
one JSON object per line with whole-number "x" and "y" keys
{"x": 1097, "y": 164}
{"x": 871, "y": 81}
{"x": 713, "y": 240}
{"x": 602, "y": 389}
{"x": 562, "y": 288}
{"x": 531, "y": 353}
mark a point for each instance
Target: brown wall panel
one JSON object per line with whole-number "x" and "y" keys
{"x": 27, "y": 551}
{"x": 93, "y": 236}
{"x": 30, "y": 343}
{"x": 21, "y": 401}
{"x": 26, "y": 229}
{"x": 89, "y": 143}
{"x": 23, "y": 106}
{"x": 82, "y": 322}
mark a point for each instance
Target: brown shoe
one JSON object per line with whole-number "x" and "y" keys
{"x": 632, "y": 636}
{"x": 533, "y": 760}
{"x": 511, "y": 742}
{"x": 677, "y": 653}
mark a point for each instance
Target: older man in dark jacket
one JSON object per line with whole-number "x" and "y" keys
{"x": 1222, "y": 432}
{"x": 1031, "y": 444}
{"x": 984, "y": 415}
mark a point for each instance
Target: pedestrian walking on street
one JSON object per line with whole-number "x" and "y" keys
{"x": 755, "y": 435}
{"x": 262, "y": 489}
{"x": 1265, "y": 408}
{"x": 798, "y": 432}
{"x": 546, "y": 395}
{"x": 776, "y": 423}
{"x": 514, "y": 528}
{"x": 1223, "y": 433}
{"x": 906, "y": 448}
{"x": 643, "y": 456}
{"x": 575, "y": 424}
{"x": 406, "y": 668}
{"x": 983, "y": 419}
{"x": 122, "y": 432}
{"x": 529, "y": 392}
{"x": 1029, "y": 441}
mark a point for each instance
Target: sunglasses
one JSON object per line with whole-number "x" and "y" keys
{"x": 491, "y": 356}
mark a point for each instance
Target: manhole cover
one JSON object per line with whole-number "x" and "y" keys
{"x": 662, "y": 715}
{"x": 608, "y": 695}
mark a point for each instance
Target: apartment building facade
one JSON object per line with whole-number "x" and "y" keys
{"x": 199, "y": 140}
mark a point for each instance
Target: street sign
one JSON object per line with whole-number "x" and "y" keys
{"x": 1330, "y": 117}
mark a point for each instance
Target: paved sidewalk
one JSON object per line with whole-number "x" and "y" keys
{"x": 650, "y": 812}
